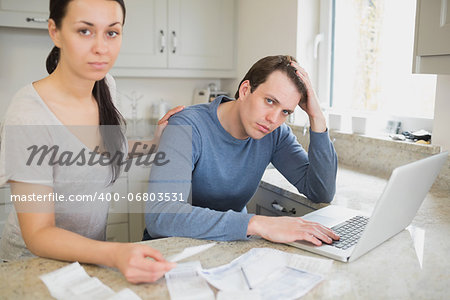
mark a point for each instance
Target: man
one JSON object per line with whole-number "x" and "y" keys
{"x": 233, "y": 141}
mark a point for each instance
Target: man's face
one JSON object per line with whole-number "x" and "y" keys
{"x": 268, "y": 106}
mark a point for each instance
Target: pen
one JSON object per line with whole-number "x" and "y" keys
{"x": 246, "y": 279}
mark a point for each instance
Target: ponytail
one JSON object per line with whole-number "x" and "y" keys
{"x": 113, "y": 137}
{"x": 52, "y": 60}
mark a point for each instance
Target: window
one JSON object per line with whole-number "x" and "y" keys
{"x": 368, "y": 55}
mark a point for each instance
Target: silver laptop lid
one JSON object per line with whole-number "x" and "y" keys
{"x": 400, "y": 201}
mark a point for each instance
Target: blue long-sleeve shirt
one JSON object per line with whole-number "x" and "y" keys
{"x": 225, "y": 173}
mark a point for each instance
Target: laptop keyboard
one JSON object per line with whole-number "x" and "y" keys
{"x": 349, "y": 232}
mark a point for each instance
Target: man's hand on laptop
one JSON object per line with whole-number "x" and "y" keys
{"x": 290, "y": 229}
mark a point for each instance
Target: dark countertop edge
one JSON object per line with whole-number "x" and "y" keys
{"x": 293, "y": 196}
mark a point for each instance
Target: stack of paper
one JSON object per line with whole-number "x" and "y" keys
{"x": 185, "y": 283}
{"x": 72, "y": 282}
{"x": 272, "y": 273}
{"x": 261, "y": 273}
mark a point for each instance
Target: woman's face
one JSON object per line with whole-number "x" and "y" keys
{"x": 89, "y": 37}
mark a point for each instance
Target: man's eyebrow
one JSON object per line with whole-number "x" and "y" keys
{"x": 274, "y": 99}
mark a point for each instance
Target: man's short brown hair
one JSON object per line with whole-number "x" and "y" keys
{"x": 261, "y": 70}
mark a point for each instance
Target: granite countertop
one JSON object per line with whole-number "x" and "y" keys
{"x": 411, "y": 265}
{"x": 353, "y": 189}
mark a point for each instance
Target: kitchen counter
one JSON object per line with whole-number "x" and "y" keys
{"x": 412, "y": 265}
{"x": 351, "y": 189}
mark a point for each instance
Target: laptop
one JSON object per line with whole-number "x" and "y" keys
{"x": 395, "y": 209}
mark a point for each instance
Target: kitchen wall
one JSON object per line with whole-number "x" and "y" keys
{"x": 276, "y": 27}
{"x": 175, "y": 91}
{"x": 264, "y": 27}
{"x": 268, "y": 27}
{"x": 22, "y": 59}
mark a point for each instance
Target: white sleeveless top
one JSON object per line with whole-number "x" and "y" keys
{"x": 29, "y": 122}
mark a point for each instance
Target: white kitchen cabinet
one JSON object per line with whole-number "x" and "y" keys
{"x": 143, "y": 44}
{"x": 138, "y": 186}
{"x": 432, "y": 37}
{"x": 118, "y": 212}
{"x": 126, "y": 218}
{"x": 117, "y": 233}
{"x": 201, "y": 34}
{"x": 178, "y": 38}
{"x": 24, "y": 13}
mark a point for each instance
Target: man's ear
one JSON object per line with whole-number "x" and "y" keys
{"x": 244, "y": 89}
{"x": 54, "y": 33}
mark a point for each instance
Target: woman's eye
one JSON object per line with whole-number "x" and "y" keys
{"x": 84, "y": 32}
{"x": 286, "y": 113}
{"x": 269, "y": 101}
{"x": 112, "y": 34}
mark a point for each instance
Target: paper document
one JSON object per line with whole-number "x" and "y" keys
{"x": 267, "y": 271}
{"x": 313, "y": 265}
{"x": 243, "y": 295}
{"x": 190, "y": 251}
{"x": 125, "y": 294}
{"x": 185, "y": 283}
{"x": 72, "y": 282}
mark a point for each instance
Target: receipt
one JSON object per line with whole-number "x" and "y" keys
{"x": 190, "y": 251}
{"x": 184, "y": 283}
{"x": 91, "y": 287}
{"x": 72, "y": 282}
{"x": 60, "y": 281}
{"x": 272, "y": 273}
{"x": 125, "y": 294}
{"x": 241, "y": 295}
{"x": 313, "y": 265}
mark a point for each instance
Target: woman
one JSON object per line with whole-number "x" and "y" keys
{"x": 87, "y": 38}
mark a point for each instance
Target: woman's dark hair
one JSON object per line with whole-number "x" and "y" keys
{"x": 112, "y": 136}
{"x": 261, "y": 70}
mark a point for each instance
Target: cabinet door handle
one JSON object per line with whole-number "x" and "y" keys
{"x": 280, "y": 208}
{"x": 163, "y": 41}
{"x": 174, "y": 41}
{"x": 317, "y": 41}
{"x": 37, "y": 20}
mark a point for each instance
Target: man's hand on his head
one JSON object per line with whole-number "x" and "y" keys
{"x": 311, "y": 104}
